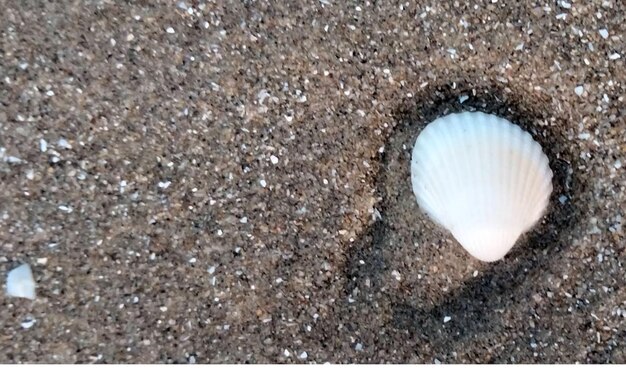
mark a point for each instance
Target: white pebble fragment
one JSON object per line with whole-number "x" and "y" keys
{"x": 13, "y": 159}
{"x": 263, "y": 183}
{"x": 604, "y": 33}
{"x": 579, "y": 90}
{"x": 304, "y": 355}
{"x": 65, "y": 209}
{"x": 20, "y": 282}
{"x": 262, "y": 95}
{"x": 274, "y": 159}
{"x": 565, "y": 4}
{"x": 43, "y": 145}
{"x": 614, "y": 56}
{"x": 463, "y": 98}
{"x": 165, "y": 184}
{"x": 170, "y": 30}
{"x": 447, "y": 319}
{"x": 62, "y": 143}
{"x": 28, "y": 323}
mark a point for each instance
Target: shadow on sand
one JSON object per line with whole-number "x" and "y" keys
{"x": 474, "y": 303}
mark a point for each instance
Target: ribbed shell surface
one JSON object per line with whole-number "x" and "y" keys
{"x": 482, "y": 178}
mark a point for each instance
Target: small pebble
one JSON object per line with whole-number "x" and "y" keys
{"x": 579, "y": 90}
{"x": 604, "y": 33}
{"x": 62, "y": 143}
{"x": 65, "y": 209}
{"x": 274, "y": 159}
{"x": 13, "y": 160}
{"x": 28, "y": 323}
{"x": 20, "y": 283}
{"x": 565, "y": 4}
{"x": 170, "y": 30}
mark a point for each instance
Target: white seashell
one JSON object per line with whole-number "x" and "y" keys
{"x": 20, "y": 282}
{"x": 482, "y": 178}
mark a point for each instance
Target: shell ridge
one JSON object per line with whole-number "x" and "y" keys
{"x": 530, "y": 197}
{"x": 426, "y": 181}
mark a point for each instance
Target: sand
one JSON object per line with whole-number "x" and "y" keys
{"x": 229, "y": 183}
